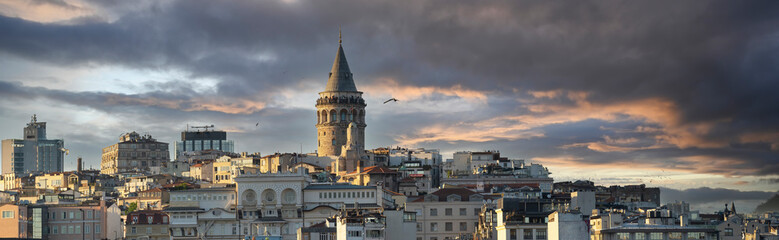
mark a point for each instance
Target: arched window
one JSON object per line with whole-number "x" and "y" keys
{"x": 249, "y": 198}
{"x": 353, "y": 116}
{"x": 333, "y": 116}
{"x": 269, "y": 196}
{"x": 289, "y": 196}
{"x": 362, "y": 116}
{"x": 318, "y": 118}
{"x": 343, "y": 115}
{"x": 324, "y": 116}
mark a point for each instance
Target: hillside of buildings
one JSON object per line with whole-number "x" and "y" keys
{"x": 771, "y": 205}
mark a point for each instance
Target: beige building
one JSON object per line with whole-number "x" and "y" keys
{"x": 223, "y": 170}
{"x": 14, "y": 221}
{"x": 202, "y": 171}
{"x": 153, "y": 199}
{"x": 134, "y": 153}
{"x": 53, "y": 181}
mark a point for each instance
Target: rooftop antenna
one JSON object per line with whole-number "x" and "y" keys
{"x": 339, "y": 34}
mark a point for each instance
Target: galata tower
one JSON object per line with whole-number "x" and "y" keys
{"x": 338, "y": 105}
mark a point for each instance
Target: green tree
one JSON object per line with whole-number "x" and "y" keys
{"x": 131, "y": 208}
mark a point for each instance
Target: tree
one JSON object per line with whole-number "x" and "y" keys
{"x": 131, "y": 208}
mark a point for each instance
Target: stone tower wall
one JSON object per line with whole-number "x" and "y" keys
{"x": 329, "y": 129}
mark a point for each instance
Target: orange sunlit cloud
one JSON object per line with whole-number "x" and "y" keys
{"x": 388, "y": 87}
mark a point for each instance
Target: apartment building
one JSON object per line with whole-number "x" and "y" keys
{"x": 448, "y": 213}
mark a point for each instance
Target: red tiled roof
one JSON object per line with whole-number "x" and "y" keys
{"x": 198, "y": 165}
{"x": 511, "y": 185}
{"x": 152, "y": 190}
{"x": 393, "y": 193}
{"x": 408, "y": 179}
{"x": 443, "y": 193}
{"x": 374, "y": 170}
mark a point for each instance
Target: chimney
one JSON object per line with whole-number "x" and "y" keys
{"x": 78, "y": 164}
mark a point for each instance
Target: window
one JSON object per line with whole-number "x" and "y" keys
{"x": 623, "y": 236}
{"x": 54, "y": 229}
{"x": 148, "y": 230}
{"x": 512, "y": 234}
{"x": 97, "y": 228}
{"x": 354, "y": 233}
{"x": 164, "y": 219}
{"x": 528, "y": 234}
{"x": 640, "y": 236}
{"x": 149, "y": 220}
{"x": 463, "y": 226}
{"x": 64, "y": 229}
{"x": 8, "y": 214}
{"x": 434, "y": 227}
{"x": 132, "y": 230}
{"x": 656, "y": 236}
{"x": 72, "y": 215}
{"x": 86, "y": 228}
{"x": 675, "y": 236}
{"x": 78, "y": 229}
{"x": 696, "y": 235}
{"x": 463, "y": 212}
{"x": 433, "y": 212}
{"x": 419, "y": 227}
{"x": 728, "y": 232}
{"x": 72, "y": 229}
{"x": 448, "y": 212}
{"x": 448, "y": 226}
{"x": 540, "y": 233}
{"x": 476, "y": 211}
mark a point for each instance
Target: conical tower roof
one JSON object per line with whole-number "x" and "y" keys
{"x": 340, "y": 76}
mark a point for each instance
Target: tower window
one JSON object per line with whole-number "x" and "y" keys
{"x": 333, "y": 141}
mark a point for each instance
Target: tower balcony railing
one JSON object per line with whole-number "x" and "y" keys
{"x": 343, "y": 99}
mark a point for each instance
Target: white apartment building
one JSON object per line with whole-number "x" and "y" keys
{"x": 203, "y": 213}
{"x": 356, "y": 224}
{"x": 448, "y": 213}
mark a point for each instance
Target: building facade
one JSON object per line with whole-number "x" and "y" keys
{"x": 34, "y": 153}
{"x": 14, "y": 221}
{"x": 195, "y": 141}
{"x": 449, "y": 213}
{"x": 147, "y": 225}
{"x": 87, "y": 220}
{"x": 134, "y": 153}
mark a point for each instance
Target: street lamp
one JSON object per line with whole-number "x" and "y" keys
{"x": 82, "y": 223}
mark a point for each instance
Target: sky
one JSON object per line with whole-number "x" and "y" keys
{"x": 679, "y": 95}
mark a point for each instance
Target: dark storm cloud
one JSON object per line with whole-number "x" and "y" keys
{"x": 715, "y": 61}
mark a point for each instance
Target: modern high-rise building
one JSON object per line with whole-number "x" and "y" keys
{"x": 193, "y": 141}
{"x": 34, "y": 153}
{"x": 337, "y": 106}
{"x": 134, "y": 153}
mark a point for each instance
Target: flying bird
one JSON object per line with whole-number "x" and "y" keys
{"x": 257, "y": 125}
{"x": 391, "y": 100}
